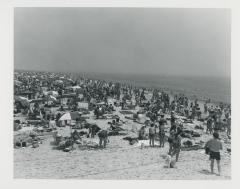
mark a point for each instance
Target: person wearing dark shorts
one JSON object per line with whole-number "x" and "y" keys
{"x": 214, "y": 145}
{"x": 103, "y": 138}
{"x": 215, "y": 155}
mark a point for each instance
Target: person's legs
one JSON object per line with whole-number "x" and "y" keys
{"x": 212, "y": 165}
{"x": 219, "y": 167}
{"x": 173, "y": 152}
{"x": 160, "y": 141}
{"x": 177, "y": 154}
{"x": 163, "y": 140}
{"x": 100, "y": 141}
{"x": 170, "y": 149}
{"x": 104, "y": 142}
{"x": 153, "y": 141}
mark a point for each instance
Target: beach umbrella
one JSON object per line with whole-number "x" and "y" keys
{"x": 70, "y": 116}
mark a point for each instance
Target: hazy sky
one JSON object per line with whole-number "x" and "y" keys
{"x": 123, "y": 40}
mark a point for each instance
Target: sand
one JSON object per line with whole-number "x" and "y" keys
{"x": 118, "y": 161}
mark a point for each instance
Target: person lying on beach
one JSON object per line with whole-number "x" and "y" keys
{"x": 214, "y": 145}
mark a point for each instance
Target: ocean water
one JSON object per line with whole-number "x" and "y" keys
{"x": 217, "y": 89}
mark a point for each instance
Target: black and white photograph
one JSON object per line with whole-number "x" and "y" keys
{"x": 121, "y": 93}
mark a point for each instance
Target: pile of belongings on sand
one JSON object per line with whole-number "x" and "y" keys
{"x": 67, "y": 144}
{"x": 26, "y": 139}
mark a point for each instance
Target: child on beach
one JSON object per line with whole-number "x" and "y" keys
{"x": 214, "y": 145}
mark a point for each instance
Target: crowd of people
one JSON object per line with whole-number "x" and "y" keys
{"x": 31, "y": 88}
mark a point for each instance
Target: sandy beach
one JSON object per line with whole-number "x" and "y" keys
{"x": 119, "y": 160}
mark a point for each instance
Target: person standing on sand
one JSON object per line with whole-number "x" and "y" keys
{"x": 170, "y": 141}
{"x": 209, "y": 125}
{"x": 176, "y": 145}
{"x": 161, "y": 133}
{"x": 214, "y": 145}
{"x": 152, "y": 132}
{"x": 103, "y": 138}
